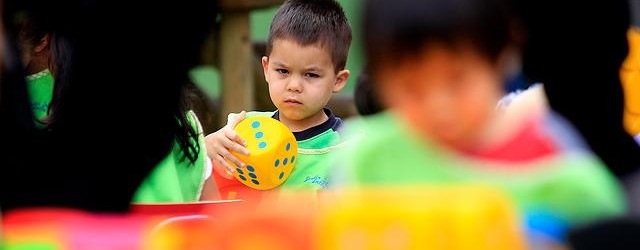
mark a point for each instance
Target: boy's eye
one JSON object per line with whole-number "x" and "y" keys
{"x": 312, "y": 75}
{"x": 282, "y": 71}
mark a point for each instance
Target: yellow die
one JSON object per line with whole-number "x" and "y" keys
{"x": 272, "y": 152}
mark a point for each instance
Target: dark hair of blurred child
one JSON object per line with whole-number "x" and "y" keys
{"x": 365, "y": 96}
{"x": 177, "y": 178}
{"x": 439, "y": 66}
{"x": 116, "y": 106}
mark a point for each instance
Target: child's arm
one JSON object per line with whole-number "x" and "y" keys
{"x": 220, "y": 143}
{"x": 210, "y": 190}
{"x": 209, "y": 186}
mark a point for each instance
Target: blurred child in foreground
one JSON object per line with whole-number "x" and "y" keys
{"x": 439, "y": 66}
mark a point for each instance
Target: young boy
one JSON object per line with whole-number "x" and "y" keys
{"x": 439, "y": 66}
{"x": 305, "y": 64}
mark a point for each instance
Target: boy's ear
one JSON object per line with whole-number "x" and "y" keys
{"x": 341, "y": 80}
{"x": 265, "y": 68}
{"x": 44, "y": 42}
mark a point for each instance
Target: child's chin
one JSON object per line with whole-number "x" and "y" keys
{"x": 292, "y": 115}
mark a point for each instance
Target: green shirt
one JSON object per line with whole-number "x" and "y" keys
{"x": 40, "y": 87}
{"x": 176, "y": 179}
{"x": 574, "y": 186}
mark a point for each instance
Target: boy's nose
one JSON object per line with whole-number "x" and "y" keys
{"x": 295, "y": 85}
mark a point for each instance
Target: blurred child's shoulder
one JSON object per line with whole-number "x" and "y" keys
{"x": 530, "y": 112}
{"x": 383, "y": 135}
{"x": 372, "y": 127}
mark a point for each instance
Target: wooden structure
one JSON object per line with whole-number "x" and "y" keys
{"x": 237, "y": 56}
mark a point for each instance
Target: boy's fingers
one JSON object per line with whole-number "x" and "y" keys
{"x": 210, "y": 142}
{"x": 228, "y": 156}
{"x": 233, "y": 136}
{"x": 225, "y": 164}
{"x": 232, "y": 146}
{"x": 234, "y": 119}
{"x": 213, "y": 143}
{"x": 239, "y": 118}
{"x": 222, "y": 167}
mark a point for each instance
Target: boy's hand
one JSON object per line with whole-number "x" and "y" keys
{"x": 220, "y": 143}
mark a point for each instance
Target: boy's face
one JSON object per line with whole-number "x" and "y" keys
{"x": 301, "y": 78}
{"x": 448, "y": 95}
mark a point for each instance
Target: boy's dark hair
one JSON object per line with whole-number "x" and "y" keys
{"x": 313, "y": 21}
{"x": 402, "y": 28}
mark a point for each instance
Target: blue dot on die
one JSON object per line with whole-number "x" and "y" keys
{"x": 293, "y": 158}
{"x": 255, "y": 124}
{"x": 259, "y": 135}
{"x": 239, "y": 171}
{"x": 262, "y": 145}
{"x": 281, "y": 175}
{"x": 284, "y": 161}
{"x": 242, "y": 177}
{"x": 255, "y": 181}
{"x": 288, "y": 146}
{"x": 250, "y": 168}
{"x": 277, "y": 163}
{"x": 252, "y": 175}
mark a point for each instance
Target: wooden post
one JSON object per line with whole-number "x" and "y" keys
{"x": 237, "y": 59}
{"x": 236, "y": 64}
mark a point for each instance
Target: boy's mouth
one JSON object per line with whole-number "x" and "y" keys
{"x": 292, "y": 101}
